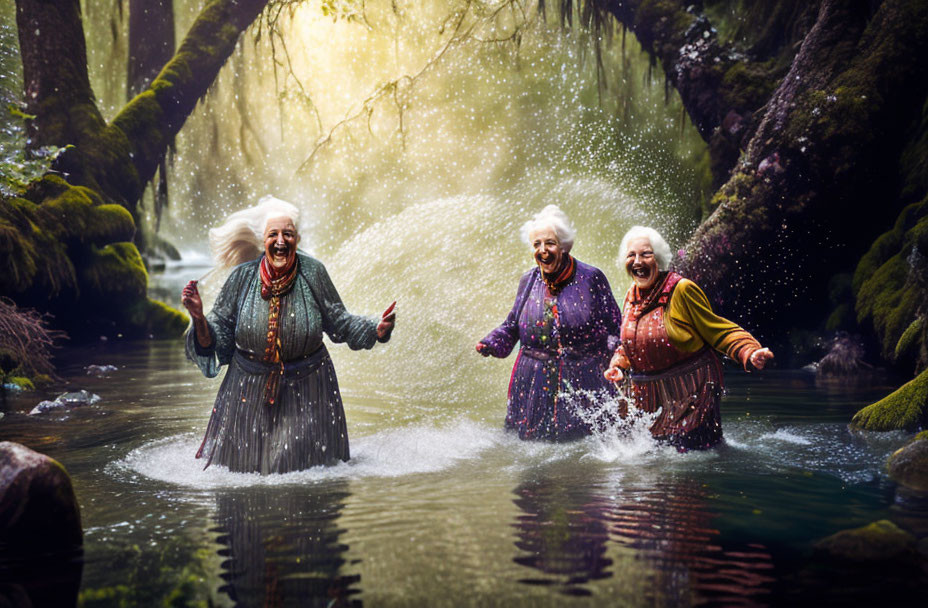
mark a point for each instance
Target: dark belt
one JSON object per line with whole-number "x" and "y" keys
{"x": 255, "y": 364}
{"x": 542, "y": 354}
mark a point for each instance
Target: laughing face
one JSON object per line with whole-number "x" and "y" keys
{"x": 280, "y": 240}
{"x": 547, "y": 249}
{"x": 640, "y": 263}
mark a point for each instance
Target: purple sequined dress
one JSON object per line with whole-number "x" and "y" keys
{"x": 562, "y": 356}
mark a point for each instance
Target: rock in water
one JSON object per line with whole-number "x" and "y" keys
{"x": 99, "y": 370}
{"x": 880, "y": 542}
{"x": 908, "y": 466}
{"x": 845, "y": 363}
{"x": 38, "y": 510}
{"x": 41, "y": 555}
{"x": 66, "y": 401}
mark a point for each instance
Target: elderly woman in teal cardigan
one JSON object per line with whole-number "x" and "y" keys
{"x": 278, "y": 408}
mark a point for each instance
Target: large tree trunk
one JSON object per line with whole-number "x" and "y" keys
{"x": 118, "y": 159}
{"x": 722, "y": 86}
{"x": 64, "y": 247}
{"x": 821, "y": 151}
{"x": 56, "y": 87}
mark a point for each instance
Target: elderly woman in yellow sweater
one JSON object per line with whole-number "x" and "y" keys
{"x": 668, "y": 335}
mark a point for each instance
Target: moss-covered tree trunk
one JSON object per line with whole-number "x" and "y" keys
{"x": 817, "y": 175}
{"x": 118, "y": 159}
{"x": 818, "y": 137}
{"x": 66, "y": 244}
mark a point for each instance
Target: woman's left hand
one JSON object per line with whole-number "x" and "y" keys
{"x": 760, "y": 357}
{"x": 387, "y": 321}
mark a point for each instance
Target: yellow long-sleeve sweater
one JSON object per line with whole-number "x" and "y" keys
{"x": 691, "y": 323}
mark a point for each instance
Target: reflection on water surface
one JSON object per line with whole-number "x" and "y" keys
{"x": 441, "y": 507}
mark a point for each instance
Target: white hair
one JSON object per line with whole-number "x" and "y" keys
{"x": 660, "y": 247}
{"x": 241, "y": 237}
{"x": 551, "y": 217}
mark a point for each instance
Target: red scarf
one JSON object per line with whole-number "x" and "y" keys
{"x": 275, "y": 282}
{"x": 558, "y": 280}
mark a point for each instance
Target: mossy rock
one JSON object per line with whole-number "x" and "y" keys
{"x": 114, "y": 272}
{"x": 33, "y": 257}
{"x": 888, "y": 294}
{"x": 908, "y": 466}
{"x": 156, "y": 319}
{"x": 71, "y": 254}
{"x": 905, "y": 409}
{"x": 38, "y": 510}
{"x": 879, "y": 542}
{"x": 908, "y": 343}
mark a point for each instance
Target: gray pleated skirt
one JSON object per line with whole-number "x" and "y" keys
{"x": 305, "y": 427}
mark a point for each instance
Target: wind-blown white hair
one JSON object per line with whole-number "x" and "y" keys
{"x": 551, "y": 217}
{"x": 661, "y": 249}
{"x": 241, "y": 237}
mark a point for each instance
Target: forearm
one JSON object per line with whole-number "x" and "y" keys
{"x": 201, "y": 330}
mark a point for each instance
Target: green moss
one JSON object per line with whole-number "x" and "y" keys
{"x": 42, "y": 380}
{"x": 887, "y": 299}
{"x": 906, "y": 408}
{"x": 110, "y": 223}
{"x": 880, "y": 541}
{"x": 118, "y": 595}
{"x": 115, "y": 271}
{"x": 22, "y": 382}
{"x": 33, "y": 257}
{"x": 153, "y": 318}
{"x": 748, "y": 86}
{"x": 888, "y": 303}
{"x": 48, "y": 186}
{"x": 909, "y": 341}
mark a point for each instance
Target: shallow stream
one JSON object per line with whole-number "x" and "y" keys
{"x": 439, "y": 506}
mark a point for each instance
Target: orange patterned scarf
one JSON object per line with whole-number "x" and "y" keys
{"x": 275, "y": 283}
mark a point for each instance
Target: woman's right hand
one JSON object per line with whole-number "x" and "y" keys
{"x": 483, "y": 349}
{"x": 618, "y": 362}
{"x": 190, "y": 298}
{"x": 614, "y": 373}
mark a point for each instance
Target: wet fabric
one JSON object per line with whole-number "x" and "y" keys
{"x": 686, "y": 387}
{"x": 306, "y": 424}
{"x": 692, "y": 324}
{"x": 688, "y": 396}
{"x": 566, "y": 343}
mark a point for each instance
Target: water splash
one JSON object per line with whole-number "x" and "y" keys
{"x": 621, "y": 431}
{"x": 415, "y": 449}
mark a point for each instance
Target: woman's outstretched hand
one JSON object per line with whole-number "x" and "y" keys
{"x": 387, "y": 321}
{"x": 760, "y": 357}
{"x": 482, "y": 349}
{"x": 190, "y": 298}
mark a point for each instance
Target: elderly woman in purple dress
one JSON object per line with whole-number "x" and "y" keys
{"x": 567, "y": 323}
